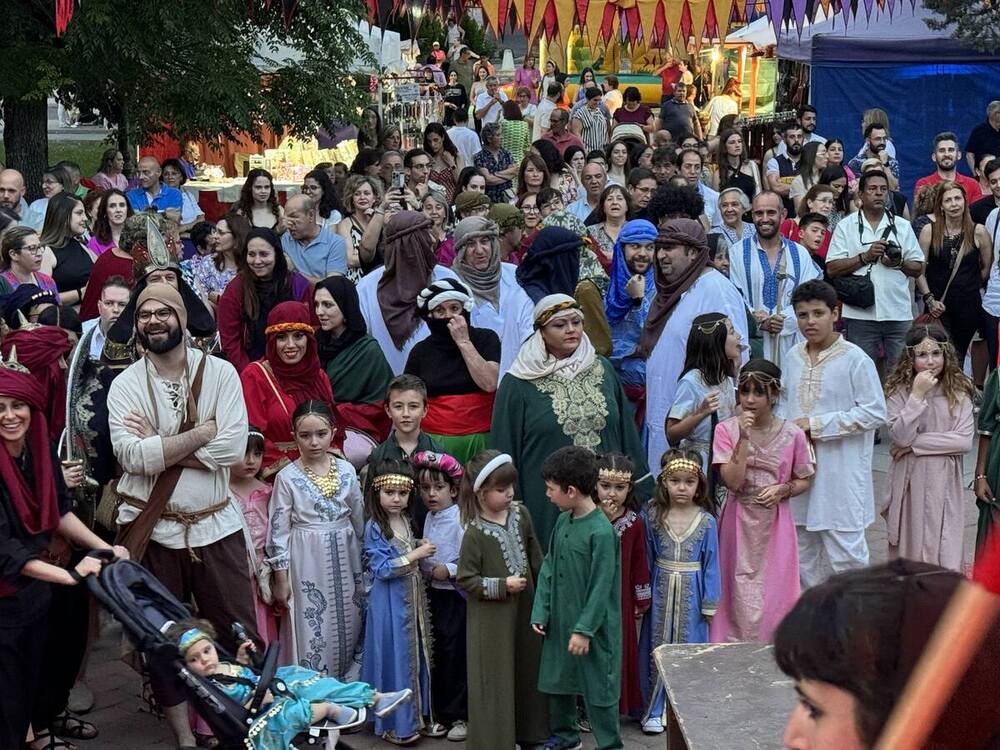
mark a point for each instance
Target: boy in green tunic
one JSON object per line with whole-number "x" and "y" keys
{"x": 578, "y": 606}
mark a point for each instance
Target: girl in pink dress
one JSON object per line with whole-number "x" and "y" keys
{"x": 763, "y": 460}
{"x": 254, "y": 497}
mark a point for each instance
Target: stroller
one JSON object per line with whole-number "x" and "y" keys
{"x": 145, "y": 608}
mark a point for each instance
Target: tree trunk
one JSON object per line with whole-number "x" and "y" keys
{"x": 122, "y": 137}
{"x": 26, "y": 140}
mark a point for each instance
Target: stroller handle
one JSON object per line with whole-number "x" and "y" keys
{"x": 107, "y": 555}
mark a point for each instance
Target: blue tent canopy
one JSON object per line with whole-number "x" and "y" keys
{"x": 924, "y": 79}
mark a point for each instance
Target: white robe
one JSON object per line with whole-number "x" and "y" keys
{"x": 712, "y": 292}
{"x": 752, "y": 289}
{"x": 843, "y": 399}
{"x": 372, "y": 312}
{"x": 513, "y": 323}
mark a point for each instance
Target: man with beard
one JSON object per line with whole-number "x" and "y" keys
{"x": 626, "y": 304}
{"x": 946, "y": 156}
{"x": 876, "y": 140}
{"x": 178, "y": 422}
{"x": 805, "y": 116}
{"x": 767, "y": 269}
{"x": 878, "y": 244}
{"x": 12, "y": 191}
{"x": 782, "y": 168}
{"x": 686, "y": 287}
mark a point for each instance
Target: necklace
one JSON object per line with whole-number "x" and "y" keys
{"x": 328, "y": 485}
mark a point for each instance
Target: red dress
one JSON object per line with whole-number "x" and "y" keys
{"x": 636, "y": 596}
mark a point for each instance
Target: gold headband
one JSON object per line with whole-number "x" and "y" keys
{"x": 681, "y": 464}
{"x": 614, "y": 475}
{"x": 286, "y": 327}
{"x": 393, "y": 482}
{"x": 546, "y": 315}
{"x": 707, "y": 329}
{"x": 761, "y": 377}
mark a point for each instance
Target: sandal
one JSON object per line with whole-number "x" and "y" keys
{"x": 52, "y": 742}
{"x": 74, "y": 727}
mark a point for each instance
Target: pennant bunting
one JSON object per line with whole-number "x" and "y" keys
{"x": 564, "y": 11}
{"x": 698, "y": 10}
{"x": 549, "y": 20}
{"x": 595, "y": 15}
{"x": 491, "y": 14}
{"x": 674, "y": 12}
{"x": 647, "y": 19}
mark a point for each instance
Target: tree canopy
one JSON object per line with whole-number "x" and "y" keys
{"x": 977, "y": 23}
{"x": 188, "y": 68}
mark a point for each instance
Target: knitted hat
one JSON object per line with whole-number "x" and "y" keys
{"x": 166, "y": 295}
{"x": 506, "y": 216}
{"x": 474, "y": 226}
{"x": 469, "y": 201}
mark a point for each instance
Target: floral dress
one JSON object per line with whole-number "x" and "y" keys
{"x": 494, "y": 163}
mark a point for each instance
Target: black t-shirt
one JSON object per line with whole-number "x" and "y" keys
{"x": 437, "y": 361}
{"x": 981, "y": 209}
{"x": 984, "y": 139}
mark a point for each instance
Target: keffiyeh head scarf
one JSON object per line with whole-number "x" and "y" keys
{"x": 617, "y": 302}
{"x": 534, "y": 361}
{"x": 409, "y": 264}
{"x": 691, "y": 234}
{"x": 484, "y": 284}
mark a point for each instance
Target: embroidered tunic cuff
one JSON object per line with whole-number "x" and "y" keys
{"x": 401, "y": 566}
{"x": 494, "y": 589}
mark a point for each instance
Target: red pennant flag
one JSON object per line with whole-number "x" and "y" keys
{"x": 608, "y": 22}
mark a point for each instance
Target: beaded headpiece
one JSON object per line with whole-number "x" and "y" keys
{"x": 393, "y": 482}
{"x": 614, "y": 475}
{"x": 759, "y": 377}
{"x": 12, "y": 364}
{"x": 676, "y": 465}
{"x": 190, "y": 637}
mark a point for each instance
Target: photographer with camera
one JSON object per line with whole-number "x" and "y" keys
{"x": 958, "y": 253}
{"x": 871, "y": 255}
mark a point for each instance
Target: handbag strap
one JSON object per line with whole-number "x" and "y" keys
{"x": 264, "y": 368}
{"x": 136, "y": 535}
{"x": 954, "y": 269}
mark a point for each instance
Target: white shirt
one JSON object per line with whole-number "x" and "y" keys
{"x": 751, "y": 286}
{"x": 142, "y": 458}
{"x": 495, "y": 111}
{"x": 712, "y": 292}
{"x": 444, "y": 529}
{"x": 97, "y": 340}
{"x": 542, "y": 113}
{"x": 372, "y": 312}
{"x": 842, "y": 397}
{"x": 513, "y": 322}
{"x": 893, "y": 299}
{"x": 466, "y": 141}
{"x": 710, "y": 197}
{"x": 991, "y": 300}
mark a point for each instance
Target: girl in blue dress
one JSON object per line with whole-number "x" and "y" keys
{"x": 397, "y": 652}
{"x": 310, "y": 696}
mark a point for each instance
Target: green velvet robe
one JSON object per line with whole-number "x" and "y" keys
{"x": 502, "y": 650}
{"x": 360, "y": 374}
{"x": 531, "y": 419}
{"x": 579, "y": 591}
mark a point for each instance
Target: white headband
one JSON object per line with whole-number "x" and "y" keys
{"x": 492, "y": 465}
{"x": 445, "y": 296}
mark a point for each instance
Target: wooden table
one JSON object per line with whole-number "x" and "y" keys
{"x": 724, "y": 696}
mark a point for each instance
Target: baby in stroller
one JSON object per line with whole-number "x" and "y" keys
{"x": 303, "y": 696}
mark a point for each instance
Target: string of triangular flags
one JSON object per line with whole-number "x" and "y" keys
{"x": 654, "y": 23}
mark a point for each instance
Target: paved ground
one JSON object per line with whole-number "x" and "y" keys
{"x": 125, "y": 725}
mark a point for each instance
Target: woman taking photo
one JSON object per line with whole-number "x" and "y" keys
{"x": 533, "y": 175}
{"x": 612, "y": 212}
{"x": 734, "y": 166}
{"x": 362, "y": 231}
{"x": 262, "y": 282}
{"x": 352, "y": 359}
{"x": 557, "y": 373}
{"x": 40, "y": 653}
{"x": 460, "y": 396}
{"x": 71, "y": 262}
{"x": 319, "y": 187}
{"x": 288, "y": 374}
{"x": 446, "y": 162}
{"x": 21, "y": 258}
{"x": 495, "y": 164}
{"x": 212, "y": 273}
{"x": 259, "y": 201}
{"x": 958, "y": 254}
{"x": 811, "y": 167}
{"x": 109, "y": 175}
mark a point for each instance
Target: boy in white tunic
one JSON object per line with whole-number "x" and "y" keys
{"x": 767, "y": 269}
{"x": 832, "y": 391}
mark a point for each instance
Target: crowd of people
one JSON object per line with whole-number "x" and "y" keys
{"x": 484, "y": 422}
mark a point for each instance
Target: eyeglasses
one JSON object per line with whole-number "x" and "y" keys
{"x": 529, "y": 209}
{"x": 33, "y": 249}
{"x": 162, "y": 315}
